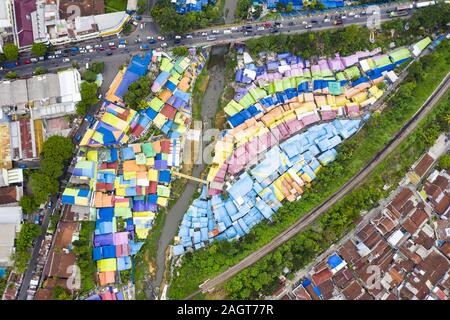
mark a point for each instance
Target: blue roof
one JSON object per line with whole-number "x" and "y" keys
{"x": 334, "y": 261}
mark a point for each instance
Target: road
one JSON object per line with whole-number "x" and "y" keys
{"x": 307, "y": 219}
{"x": 292, "y": 25}
{"x": 22, "y": 295}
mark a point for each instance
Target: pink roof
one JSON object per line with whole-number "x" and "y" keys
{"x": 328, "y": 115}
{"x": 310, "y": 119}
{"x": 108, "y": 296}
{"x": 120, "y": 238}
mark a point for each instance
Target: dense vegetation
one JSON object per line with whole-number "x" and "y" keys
{"x": 262, "y": 278}
{"x": 352, "y": 156}
{"x": 89, "y": 97}
{"x": 11, "y": 52}
{"x": 137, "y": 92}
{"x": 172, "y": 22}
{"x": 56, "y": 151}
{"x": 353, "y": 38}
{"x": 24, "y": 242}
{"x": 83, "y": 250}
{"x": 444, "y": 161}
{"x": 39, "y": 49}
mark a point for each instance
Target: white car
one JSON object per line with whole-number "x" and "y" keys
{"x": 149, "y": 38}
{"x": 344, "y": 17}
{"x": 66, "y": 60}
{"x": 215, "y": 31}
{"x": 88, "y": 47}
{"x": 91, "y": 50}
{"x": 211, "y": 38}
{"x": 163, "y": 45}
{"x": 234, "y": 28}
{"x": 261, "y": 28}
{"x": 228, "y": 31}
{"x": 356, "y": 16}
{"x": 326, "y": 20}
{"x": 308, "y": 26}
{"x": 351, "y": 14}
{"x": 189, "y": 36}
{"x": 58, "y": 52}
{"x": 204, "y": 34}
{"x": 122, "y": 46}
{"x": 111, "y": 44}
{"x": 51, "y": 57}
{"x": 304, "y": 22}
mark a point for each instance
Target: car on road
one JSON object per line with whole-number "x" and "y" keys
{"x": 227, "y": 31}
{"x": 111, "y": 44}
{"x": 160, "y": 38}
{"x": 41, "y": 58}
{"x": 215, "y": 31}
{"x": 34, "y": 60}
{"x": 78, "y": 137}
{"x": 261, "y": 28}
{"x": 314, "y": 21}
{"x": 122, "y": 46}
{"x": 109, "y": 53}
{"x": 50, "y": 204}
{"x": 137, "y": 40}
{"x": 66, "y": 60}
{"x": 138, "y": 18}
{"x": 27, "y": 61}
{"x": 189, "y": 36}
{"x": 274, "y": 30}
{"x": 91, "y": 50}
{"x": 101, "y": 49}
{"x": 135, "y": 23}
{"x": 22, "y": 166}
{"x": 267, "y": 24}
{"x": 164, "y": 44}
{"x": 204, "y": 34}
{"x": 113, "y": 48}
{"x": 88, "y": 47}
{"x": 123, "y": 41}
{"x": 308, "y": 26}
{"x": 211, "y": 38}
{"x": 326, "y": 20}
{"x": 89, "y": 118}
{"x": 51, "y": 57}
{"x": 144, "y": 47}
{"x": 234, "y": 28}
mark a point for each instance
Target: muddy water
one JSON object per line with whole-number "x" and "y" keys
{"x": 216, "y": 70}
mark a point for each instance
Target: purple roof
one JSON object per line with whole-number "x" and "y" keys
{"x": 120, "y": 238}
{"x": 23, "y": 10}
{"x": 103, "y": 240}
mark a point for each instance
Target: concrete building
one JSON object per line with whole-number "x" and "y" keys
{"x": 6, "y": 23}
{"x": 10, "y": 219}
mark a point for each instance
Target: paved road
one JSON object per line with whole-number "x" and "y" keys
{"x": 321, "y": 209}
{"x": 22, "y": 295}
{"x": 293, "y": 25}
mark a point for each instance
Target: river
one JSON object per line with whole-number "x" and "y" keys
{"x": 216, "y": 70}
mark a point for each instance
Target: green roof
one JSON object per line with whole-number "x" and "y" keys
{"x": 400, "y": 54}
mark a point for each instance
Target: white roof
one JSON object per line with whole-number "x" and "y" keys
{"x": 109, "y": 21}
{"x": 7, "y": 235}
{"x": 83, "y": 24}
{"x": 395, "y": 237}
{"x": 247, "y": 58}
{"x": 10, "y": 215}
{"x": 69, "y": 83}
{"x": 5, "y": 20}
{"x": 132, "y": 5}
{"x": 250, "y": 73}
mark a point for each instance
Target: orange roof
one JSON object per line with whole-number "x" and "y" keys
{"x": 106, "y": 277}
{"x": 156, "y": 146}
{"x": 103, "y": 200}
{"x": 131, "y": 166}
{"x": 165, "y": 95}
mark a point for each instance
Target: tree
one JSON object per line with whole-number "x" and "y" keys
{"x": 136, "y": 92}
{"x": 97, "y": 67}
{"x": 51, "y": 168}
{"x": 24, "y": 242}
{"x": 11, "y": 75}
{"x": 60, "y": 293}
{"x": 280, "y": 7}
{"x": 57, "y": 149}
{"x": 89, "y": 76}
{"x": 42, "y": 186}
{"x": 127, "y": 29}
{"x": 444, "y": 162}
{"x": 11, "y": 51}
{"x": 28, "y": 204}
{"x": 258, "y": 12}
{"x": 40, "y": 70}
{"x": 39, "y": 49}
{"x": 88, "y": 97}
{"x": 180, "y": 51}
{"x": 290, "y": 7}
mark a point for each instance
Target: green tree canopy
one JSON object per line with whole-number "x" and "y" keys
{"x": 88, "y": 97}
{"x": 28, "y": 204}
{"x": 39, "y": 49}
{"x": 97, "y": 67}
{"x": 11, "y": 51}
{"x": 43, "y": 186}
{"x": 57, "y": 149}
{"x": 180, "y": 51}
{"x": 89, "y": 76}
{"x": 60, "y": 293}
{"x": 136, "y": 92}
{"x": 444, "y": 162}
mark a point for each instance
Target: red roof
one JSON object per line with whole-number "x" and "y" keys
{"x": 322, "y": 276}
{"x": 24, "y": 26}
{"x": 168, "y": 111}
{"x": 165, "y": 146}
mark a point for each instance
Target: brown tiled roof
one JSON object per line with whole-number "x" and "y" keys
{"x": 392, "y": 296}
{"x": 349, "y": 252}
{"x": 442, "y": 182}
{"x": 419, "y": 216}
{"x": 353, "y": 291}
{"x": 409, "y": 226}
{"x": 445, "y": 249}
{"x": 44, "y": 294}
{"x": 8, "y": 195}
{"x": 443, "y": 205}
{"x": 322, "y": 276}
{"x": 64, "y": 234}
{"x": 399, "y": 201}
{"x": 326, "y": 289}
{"x": 409, "y": 205}
{"x": 301, "y": 294}
{"x": 423, "y": 239}
{"x": 396, "y": 276}
{"x": 423, "y": 165}
{"x": 343, "y": 277}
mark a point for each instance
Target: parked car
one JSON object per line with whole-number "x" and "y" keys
{"x": 122, "y": 46}
{"x": 78, "y": 138}
{"x": 160, "y": 38}
{"x": 89, "y": 118}
{"x": 163, "y": 45}
{"x": 34, "y": 60}
{"x": 66, "y": 60}
{"x": 109, "y": 53}
{"x": 215, "y": 31}
{"x": 189, "y": 36}
{"x": 261, "y": 28}
{"x": 211, "y": 38}
{"x": 204, "y": 34}
{"x": 111, "y": 44}
{"x": 144, "y": 47}
{"x": 27, "y": 61}
{"x": 88, "y": 47}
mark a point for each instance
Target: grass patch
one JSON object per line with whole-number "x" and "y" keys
{"x": 201, "y": 84}
{"x": 115, "y": 5}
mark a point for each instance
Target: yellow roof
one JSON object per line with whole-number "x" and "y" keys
{"x": 105, "y": 265}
